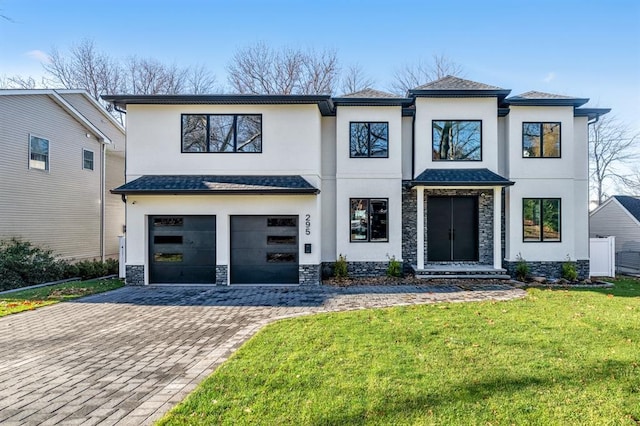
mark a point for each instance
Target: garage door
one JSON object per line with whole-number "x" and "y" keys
{"x": 264, "y": 249}
{"x": 182, "y": 249}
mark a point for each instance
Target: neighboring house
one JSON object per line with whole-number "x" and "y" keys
{"x": 60, "y": 152}
{"x": 235, "y": 189}
{"x": 619, "y": 216}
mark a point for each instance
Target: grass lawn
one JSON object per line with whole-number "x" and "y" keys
{"x": 27, "y": 300}
{"x": 556, "y": 357}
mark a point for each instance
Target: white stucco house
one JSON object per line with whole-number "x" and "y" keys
{"x": 252, "y": 189}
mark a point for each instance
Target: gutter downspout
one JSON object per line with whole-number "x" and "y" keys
{"x": 103, "y": 186}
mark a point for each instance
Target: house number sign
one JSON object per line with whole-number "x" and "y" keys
{"x": 307, "y": 224}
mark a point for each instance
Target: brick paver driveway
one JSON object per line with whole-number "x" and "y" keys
{"x": 128, "y": 356}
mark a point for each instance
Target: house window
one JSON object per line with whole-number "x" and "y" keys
{"x": 457, "y": 140}
{"x": 541, "y": 140}
{"x": 369, "y": 140}
{"x": 369, "y": 219}
{"x": 541, "y": 219}
{"x": 38, "y": 153}
{"x": 222, "y": 133}
{"x": 87, "y": 159}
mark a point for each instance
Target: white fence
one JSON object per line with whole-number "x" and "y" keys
{"x": 602, "y": 257}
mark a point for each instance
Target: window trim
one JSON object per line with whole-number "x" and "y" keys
{"x": 541, "y": 123}
{"x": 542, "y": 240}
{"x": 368, "y": 123}
{"x": 458, "y": 161}
{"x": 47, "y": 169}
{"x": 93, "y": 159}
{"x": 235, "y": 134}
{"x": 368, "y": 240}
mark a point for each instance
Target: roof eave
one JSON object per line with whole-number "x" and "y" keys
{"x": 403, "y": 102}
{"x": 459, "y": 93}
{"x": 591, "y": 113}
{"x": 284, "y": 191}
{"x": 577, "y": 102}
{"x": 483, "y": 183}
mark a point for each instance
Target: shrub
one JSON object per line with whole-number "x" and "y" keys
{"x": 522, "y": 269}
{"x": 395, "y": 267}
{"x": 569, "y": 271}
{"x": 340, "y": 268}
{"x": 23, "y": 264}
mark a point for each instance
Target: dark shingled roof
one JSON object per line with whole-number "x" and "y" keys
{"x": 546, "y": 99}
{"x": 370, "y": 93}
{"x": 460, "y": 177}
{"x": 632, "y": 204}
{"x": 189, "y": 184}
{"x": 456, "y": 83}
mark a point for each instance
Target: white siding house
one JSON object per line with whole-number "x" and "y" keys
{"x": 618, "y": 216}
{"x": 53, "y": 176}
{"x": 255, "y": 189}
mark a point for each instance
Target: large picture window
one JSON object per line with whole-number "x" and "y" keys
{"x": 369, "y": 140}
{"x": 369, "y": 219}
{"x": 541, "y": 140}
{"x": 541, "y": 219}
{"x": 221, "y": 133}
{"x": 456, "y": 140}
{"x": 38, "y": 153}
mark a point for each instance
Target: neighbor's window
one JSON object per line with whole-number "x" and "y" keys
{"x": 38, "y": 153}
{"x": 87, "y": 159}
{"x": 541, "y": 219}
{"x": 369, "y": 219}
{"x": 457, "y": 140}
{"x": 369, "y": 140}
{"x": 221, "y": 133}
{"x": 541, "y": 140}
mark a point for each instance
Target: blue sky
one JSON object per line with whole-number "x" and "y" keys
{"x": 584, "y": 48}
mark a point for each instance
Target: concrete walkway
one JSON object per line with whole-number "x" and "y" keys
{"x": 128, "y": 356}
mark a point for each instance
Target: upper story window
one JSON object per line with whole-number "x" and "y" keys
{"x": 221, "y": 133}
{"x": 541, "y": 140}
{"x": 87, "y": 159}
{"x": 369, "y": 219}
{"x": 38, "y": 153}
{"x": 541, "y": 219}
{"x": 457, "y": 140}
{"x": 369, "y": 140}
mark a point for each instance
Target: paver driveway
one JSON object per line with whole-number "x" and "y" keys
{"x": 128, "y": 356}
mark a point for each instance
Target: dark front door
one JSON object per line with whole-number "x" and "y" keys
{"x": 264, "y": 249}
{"x": 182, "y": 249}
{"x": 452, "y": 228}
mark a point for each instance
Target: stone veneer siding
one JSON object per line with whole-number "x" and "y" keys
{"x": 221, "y": 275}
{"x": 409, "y": 230}
{"x": 367, "y": 269}
{"x": 134, "y": 274}
{"x": 549, "y": 269}
{"x": 309, "y": 274}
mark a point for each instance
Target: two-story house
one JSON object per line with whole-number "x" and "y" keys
{"x": 256, "y": 189}
{"x": 60, "y": 153}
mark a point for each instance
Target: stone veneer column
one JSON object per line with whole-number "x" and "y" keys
{"x": 497, "y": 231}
{"x": 420, "y": 227}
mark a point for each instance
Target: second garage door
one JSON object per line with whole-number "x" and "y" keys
{"x": 264, "y": 250}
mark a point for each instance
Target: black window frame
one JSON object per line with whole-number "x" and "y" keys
{"x": 458, "y": 160}
{"x": 368, "y": 123}
{"x": 47, "y": 167}
{"x": 542, "y": 123}
{"x": 208, "y": 134}
{"x": 541, "y": 200}
{"x": 369, "y": 221}
{"x": 93, "y": 157}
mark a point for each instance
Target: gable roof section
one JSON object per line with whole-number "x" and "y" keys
{"x": 460, "y": 177}
{"x": 451, "y": 86}
{"x": 372, "y": 97}
{"x": 95, "y": 103}
{"x": 534, "y": 98}
{"x": 631, "y": 204}
{"x": 58, "y": 99}
{"x": 211, "y": 184}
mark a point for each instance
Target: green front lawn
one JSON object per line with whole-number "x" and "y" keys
{"x": 27, "y": 300}
{"x": 556, "y": 357}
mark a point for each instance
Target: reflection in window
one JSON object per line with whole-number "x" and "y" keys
{"x": 280, "y": 239}
{"x": 541, "y": 140}
{"x": 38, "y": 153}
{"x": 167, "y": 257}
{"x": 221, "y": 133}
{"x": 281, "y": 221}
{"x": 369, "y": 140}
{"x": 369, "y": 219}
{"x": 168, "y": 221}
{"x": 541, "y": 219}
{"x": 167, "y": 239}
{"x": 457, "y": 140}
{"x": 281, "y": 257}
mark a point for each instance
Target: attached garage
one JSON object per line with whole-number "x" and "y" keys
{"x": 182, "y": 249}
{"x": 264, "y": 250}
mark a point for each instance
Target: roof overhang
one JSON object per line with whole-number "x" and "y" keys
{"x": 403, "y": 102}
{"x": 459, "y": 178}
{"x": 591, "y": 113}
{"x": 574, "y": 102}
{"x": 460, "y": 93}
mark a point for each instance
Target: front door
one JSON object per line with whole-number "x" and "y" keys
{"x": 452, "y": 229}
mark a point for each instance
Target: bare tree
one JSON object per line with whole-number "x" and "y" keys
{"x": 19, "y": 82}
{"x": 354, "y": 79}
{"x": 147, "y": 76}
{"x": 611, "y": 148}
{"x": 411, "y": 76}
{"x": 200, "y": 81}
{"x": 260, "y": 69}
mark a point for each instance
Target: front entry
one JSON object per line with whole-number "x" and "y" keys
{"x": 452, "y": 229}
{"x": 264, "y": 250}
